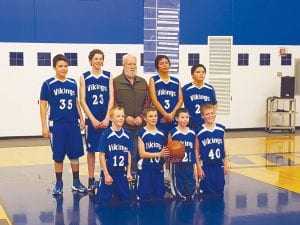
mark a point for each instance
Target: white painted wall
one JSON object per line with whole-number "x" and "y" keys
{"x": 20, "y": 86}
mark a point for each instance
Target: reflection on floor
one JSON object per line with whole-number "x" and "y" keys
{"x": 261, "y": 188}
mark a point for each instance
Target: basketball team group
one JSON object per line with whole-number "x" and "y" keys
{"x": 134, "y": 126}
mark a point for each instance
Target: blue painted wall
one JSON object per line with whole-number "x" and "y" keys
{"x": 257, "y": 22}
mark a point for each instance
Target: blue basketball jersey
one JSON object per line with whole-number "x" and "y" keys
{"x": 97, "y": 93}
{"x": 211, "y": 143}
{"x": 188, "y": 139}
{"x": 194, "y": 97}
{"x": 115, "y": 145}
{"x": 167, "y": 93}
{"x": 153, "y": 142}
{"x": 61, "y": 97}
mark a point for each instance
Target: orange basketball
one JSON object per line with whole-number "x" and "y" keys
{"x": 177, "y": 151}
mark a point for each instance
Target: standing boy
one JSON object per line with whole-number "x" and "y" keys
{"x": 115, "y": 159}
{"x": 152, "y": 150}
{"x": 59, "y": 93}
{"x": 96, "y": 98}
{"x": 197, "y": 93}
{"x": 213, "y": 164}
{"x": 184, "y": 173}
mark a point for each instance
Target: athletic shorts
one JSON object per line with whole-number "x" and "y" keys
{"x": 150, "y": 184}
{"x": 182, "y": 179}
{"x": 65, "y": 140}
{"x": 214, "y": 180}
{"x": 92, "y": 138}
{"x": 119, "y": 189}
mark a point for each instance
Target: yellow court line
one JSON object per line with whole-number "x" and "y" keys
{"x": 283, "y": 177}
{"x": 4, "y": 216}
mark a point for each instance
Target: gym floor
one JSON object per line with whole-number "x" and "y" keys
{"x": 262, "y": 187}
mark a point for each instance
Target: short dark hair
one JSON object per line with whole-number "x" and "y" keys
{"x": 158, "y": 58}
{"x": 94, "y": 52}
{"x": 59, "y": 57}
{"x": 180, "y": 110}
{"x": 148, "y": 109}
{"x": 194, "y": 67}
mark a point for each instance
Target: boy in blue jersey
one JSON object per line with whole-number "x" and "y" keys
{"x": 166, "y": 96}
{"x": 184, "y": 173}
{"x": 197, "y": 93}
{"x": 65, "y": 121}
{"x": 151, "y": 153}
{"x": 96, "y": 99}
{"x": 212, "y": 162}
{"x": 115, "y": 159}
{"x": 165, "y": 93}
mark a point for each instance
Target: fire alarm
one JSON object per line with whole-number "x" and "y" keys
{"x": 282, "y": 51}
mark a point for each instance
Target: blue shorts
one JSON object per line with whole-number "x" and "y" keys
{"x": 214, "y": 180}
{"x": 119, "y": 189}
{"x": 182, "y": 175}
{"x": 150, "y": 184}
{"x": 92, "y": 138}
{"x": 65, "y": 140}
{"x": 166, "y": 127}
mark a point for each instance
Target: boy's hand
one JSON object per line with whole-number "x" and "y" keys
{"x": 81, "y": 124}
{"x": 95, "y": 123}
{"x": 104, "y": 123}
{"x": 226, "y": 168}
{"x": 195, "y": 175}
{"x": 164, "y": 152}
{"x": 108, "y": 180}
{"x": 201, "y": 173}
{"x": 45, "y": 132}
{"x": 129, "y": 177}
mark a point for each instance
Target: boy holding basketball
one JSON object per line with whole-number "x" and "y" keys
{"x": 115, "y": 159}
{"x": 184, "y": 173}
{"x": 151, "y": 153}
{"x": 212, "y": 163}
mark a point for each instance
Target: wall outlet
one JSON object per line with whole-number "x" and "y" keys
{"x": 279, "y": 74}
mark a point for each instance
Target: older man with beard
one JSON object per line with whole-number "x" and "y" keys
{"x": 131, "y": 93}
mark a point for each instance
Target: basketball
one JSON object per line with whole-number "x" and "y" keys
{"x": 177, "y": 151}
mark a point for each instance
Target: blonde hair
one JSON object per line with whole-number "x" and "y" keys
{"x": 113, "y": 109}
{"x": 205, "y": 107}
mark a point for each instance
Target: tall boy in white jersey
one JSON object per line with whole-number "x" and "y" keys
{"x": 151, "y": 153}
{"x": 96, "y": 99}
{"x": 197, "y": 93}
{"x": 212, "y": 163}
{"x": 184, "y": 173}
{"x": 59, "y": 93}
{"x": 115, "y": 159}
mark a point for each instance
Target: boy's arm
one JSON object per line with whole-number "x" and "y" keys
{"x": 80, "y": 114}
{"x": 111, "y": 103}
{"x": 200, "y": 171}
{"x": 225, "y": 162}
{"x": 129, "y": 176}
{"x": 83, "y": 104}
{"x": 226, "y": 167}
{"x": 108, "y": 179}
{"x": 144, "y": 154}
{"x": 180, "y": 101}
{"x": 43, "y": 115}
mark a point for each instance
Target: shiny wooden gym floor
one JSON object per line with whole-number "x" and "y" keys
{"x": 263, "y": 187}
